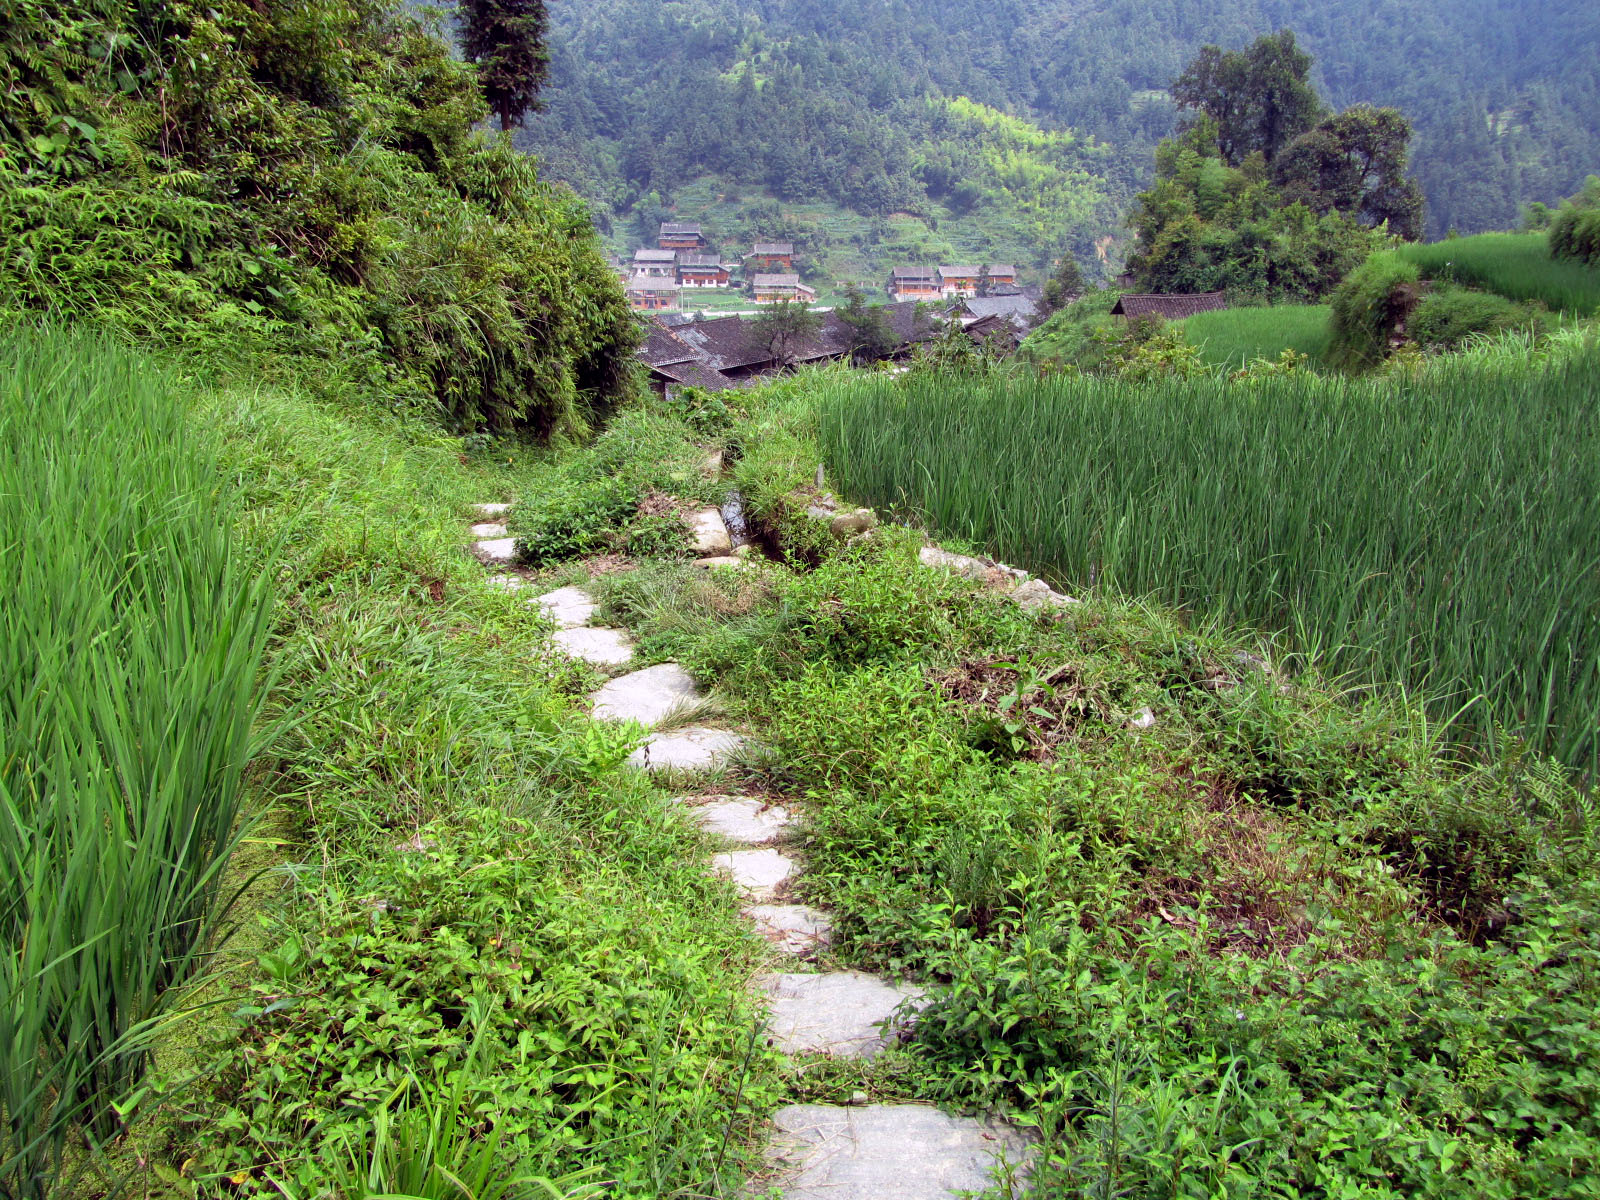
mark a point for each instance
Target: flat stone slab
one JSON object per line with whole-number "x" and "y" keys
{"x": 747, "y": 821}
{"x": 720, "y": 560}
{"x": 488, "y": 529}
{"x": 602, "y": 647}
{"x": 756, "y": 873}
{"x": 842, "y": 1013}
{"x": 967, "y": 566}
{"x": 646, "y": 696}
{"x": 491, "y": 510}
{"x": 568, "y": 607}
{"x": 509, "y": 583}
{"x": 496, "y": 550}
{"x": 791, "y": 928}
{"x": 695, "y": 749}
{"x": 710, "y": 532}
{"x": 886, "y": 1152}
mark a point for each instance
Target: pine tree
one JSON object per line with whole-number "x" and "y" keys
{"x": 506, "y": 39}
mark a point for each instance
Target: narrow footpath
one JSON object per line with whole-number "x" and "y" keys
{"x": 816, "y": 1151}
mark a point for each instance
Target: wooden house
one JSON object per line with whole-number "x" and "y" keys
{"x": 676, "y": 236}
{"x": 658, "y": 264}
{"x": 770, "y": 257}
{"x": 769, "y": 289}
{"x": 702, "y": 271}
{"x": 651, "y": 293}
{"x": 915, "y": 283}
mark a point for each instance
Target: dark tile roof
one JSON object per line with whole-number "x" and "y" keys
{"x": 1012, "y": 306}
{"x": 1168, "y": 308}
{"x": 652, "y": 283}
{"x": 726, "y": 343}
{"x": 651, "y": 254}
{"x": 678, "y": 229}
{"x": 774, "y": 248}
{"x": 700, "y": 260}
{"x": 695, "y": 374}
{"x": 662, "y": 347}
{"x": 929, "y": 273}
{"x": 962, "y": 270}
{"x": 775, "y": 281}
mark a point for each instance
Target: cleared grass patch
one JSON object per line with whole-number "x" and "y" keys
{"x": 1517, "y": 265}
{"x": 1439, "y": 533}
{"x": 1236, "y": 337}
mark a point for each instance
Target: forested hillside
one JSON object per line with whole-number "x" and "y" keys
{"x": 833, "y": 100}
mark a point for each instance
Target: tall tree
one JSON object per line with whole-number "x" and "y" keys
{"x": 1260, "y": 97}
{"x": 1354, "y": 162}
{"x": 506, "y": 40}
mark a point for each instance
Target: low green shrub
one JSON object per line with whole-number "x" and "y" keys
{"x": 1575, "y": 229}
{"x": 1447, "y": 316}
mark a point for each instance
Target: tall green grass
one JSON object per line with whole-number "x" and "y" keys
{"x": 1236, "y": 337}
{"x": 1517, "y": 265}
{"x": 1443, "y": 533}
{"x": 131, "y": 642}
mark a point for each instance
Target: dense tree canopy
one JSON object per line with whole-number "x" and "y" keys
{"x": 1354, "y": 162}
{"x": 1258, "y": 99}
{"x": 645, "y": 95}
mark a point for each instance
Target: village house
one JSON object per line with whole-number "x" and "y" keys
{"x": 769, "y": 289}
{"x": 915, "y": 283}
{"x": 970, "y": 280}
{"x": 658, "y": 264}
{"x": 770, "y": 257}
{"x": 651, "y": 293}
{"x": 702, "y": 271}
{"x": 675, "y": 236}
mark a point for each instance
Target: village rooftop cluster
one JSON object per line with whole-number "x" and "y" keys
{"x": 682, "y": 260}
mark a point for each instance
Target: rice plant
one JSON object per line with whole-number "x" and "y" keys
{"x": 1442, "y": 532}
{"x": 1235, "y": 337}
{"x": 131, "y": 644}
{"x": 1517, "y": 265}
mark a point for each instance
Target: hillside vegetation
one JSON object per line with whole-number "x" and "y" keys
{"x": 1276, "y": 502}
{"x": 299, "y": 188}
{"x": 644, "y": 97}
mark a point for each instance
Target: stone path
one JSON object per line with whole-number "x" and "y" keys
{"x": 869, "y": 1152}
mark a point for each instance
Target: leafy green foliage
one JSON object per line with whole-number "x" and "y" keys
{"x": 134, "y": 634}
{"x": 1370, "y": 308}
{"x": 1447, "y": 316}
{"x": 301, "y": 186}
{"x": 1275, "y": 502}
{"x": 1258, "y": 99}
{"x": 1354, "y": 162}
{"x": 505, "y": 40}
{"x": 1575, "y": 228}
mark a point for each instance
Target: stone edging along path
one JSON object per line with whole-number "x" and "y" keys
{"x": 816, "y": 1151}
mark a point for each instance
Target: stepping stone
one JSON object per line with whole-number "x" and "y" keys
{"x": 602, "y": 647}
{"x": 903, "y": 1151}
{"x": 497, "y": 550}
{"x": 965, "y": 565}
{"x": 648, "y": 696}
{"x": 710, "y": 532}
{"x": 509, "y": 583}
{"x": 721, "y": 560}
{"x": 747, "y": 821}
{"x": 1037, "y": 595}
{"x": 695, "y": 749}
{"x": 568, "y": 607}
{"x": 792, "y": 928}
{"x": 491, "y": 510}
{"x": 756, "y": 873}
{"x": 489, "y": 529}
{"x": 839, "y": 1013}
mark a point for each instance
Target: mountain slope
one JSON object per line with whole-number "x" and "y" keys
{"x": 838, "y": 100}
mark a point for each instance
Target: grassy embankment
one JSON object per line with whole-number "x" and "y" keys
{"x": 1515, "y": 265}
{"x": 1437, "y": 533}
